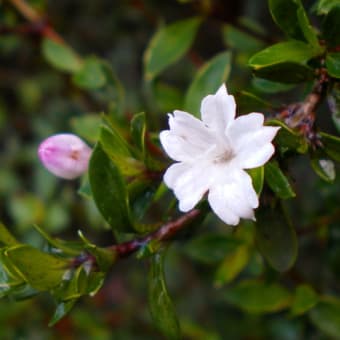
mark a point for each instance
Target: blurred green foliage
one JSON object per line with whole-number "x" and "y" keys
{"x": 277, "y": 279}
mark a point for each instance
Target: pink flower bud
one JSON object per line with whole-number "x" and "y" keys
{"x": 65, "y": 155}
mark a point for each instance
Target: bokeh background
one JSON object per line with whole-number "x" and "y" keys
{"x": 37, "y": 100}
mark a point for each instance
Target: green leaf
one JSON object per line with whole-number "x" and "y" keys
{"x": 307, "y": 29}
{"x": 240, "y": 40}
{"x": 109, "y": 190}
{"x": 277, "y": 181}
{"x": 331, "y": 27}
{"x": 324, "y": 168}
{"x": 249, "y": 102}
{"x": 26, "y": 209}
{"x": 62, "y": 310}
{"x": 60, "y": 56}
{"x": 288, "y": 139}
{"x": 259, "y": 297}
{"x": 232, "y": 265}
{"x": 322, "y": 7}
{"x": 168, "y": 97}
{"x": 112, "y": 92}
{"x": 6, "y": 238}
{"x": 41, "y": 270}
{"x": 326, "y": 317}
{"x": 333, "y": 64}
{"x": 285, "y": 62}
{"x": 168, "y": 45}
{"x": 211, "y": 248}
{"x": 331, "y": 145}
{"x": 333, "y": 100}
{"x": 291, "y": 17}
{"x": 95, "y": 282}
{"x": 305, "y": 299}
{"x": 67, "y": 247}
{"x": 74, "y": 287}
{"x": 276, "y": 238}
{"x": 87, "y": 126}
{"x": 268, "y": 86}
{"x": 284, "y": 13}
{"x": 207, "y": 81}
{"x": 104, "y": 256}
{"x": 161, "y": 308}
{"x": 119, "y": 152}
{"x": 257, "y": 176}
{"x": 91, "y": 75}
{"x": 138, "y": 130}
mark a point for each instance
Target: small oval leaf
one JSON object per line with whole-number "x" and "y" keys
{"x": 333, "y": 64}
{"x": 326, "y": 317}
{"x": 259, "y": 297}
{"x": 285, "y": 62}
{"x": 331, "y": 27}
{"x": 41, "y": 270}
{"x": 232, "y": 265}
{"x": 257, "y": 177}
{"x": 91, "y": 75}
{"x": 277, "y": 181}
{"x": 109, "y": 190}
{"x": 207, "y": 80}
{"x": 168, "y": 45}
{"x": 161, "y": 308}
{"x": 276, "y": 238}
{"x": 305, "y": 299}
{"x": 60, "y": 56}
{"x": 331, "y": 145}
{"x": 324, "y": 168}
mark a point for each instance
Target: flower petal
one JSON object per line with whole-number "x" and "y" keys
{"x": 191, "y": 129}
{"x": 65, "y": 155}
{"x": 187, "y": 138}
{"x": 248, "y": 129}
{"x": 218, "y": 110}
{"x": 244, "y": 124}
{"x": 254, "y": 148}
{"x": 176, "y": 147}
{"x": 233, "y": 197}
{"x": 188, "y": 184}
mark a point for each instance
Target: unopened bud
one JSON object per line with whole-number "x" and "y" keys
{"x": 65, "y": 155}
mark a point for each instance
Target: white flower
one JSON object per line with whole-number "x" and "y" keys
{"x": 212, "y": 154}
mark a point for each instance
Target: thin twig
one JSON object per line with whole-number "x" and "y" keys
{"x": 301, "y": 116}
{"x": 164, "y": 233}
{"x": 125, "y": 249}
{"x": 39, "y": 21}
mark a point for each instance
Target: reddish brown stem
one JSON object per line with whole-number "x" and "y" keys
{"x": 39, "y": 21}
{"x": 164, "y": 233}
{"x": 301, "y": 116}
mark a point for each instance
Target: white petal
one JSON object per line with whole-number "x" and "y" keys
{"x": 243, "y": 125}
{"x": 191, "y": 129}
{"x": 233, "y": 197}
{"x": 254, "y": 149}
{"x": 248, "y": 189}
{"x": 218, "y": 110}
{"x": 187, "y": 139}
{"x": 248, "y": 129}
{"x": 177, "y": 147}
{"x": 188, "y": 184}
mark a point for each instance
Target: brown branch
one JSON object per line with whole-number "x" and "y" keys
{"x": 39, "y": 21}
{"x": 301, "y": 116}
{"x": 164, "y": 233}
{"x": 125, "y": 249}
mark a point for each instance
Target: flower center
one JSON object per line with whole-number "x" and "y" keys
{"x": 224, "y": 157}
